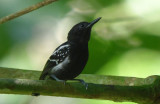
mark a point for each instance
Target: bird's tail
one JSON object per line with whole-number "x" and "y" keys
{"x": 43, "y": 76}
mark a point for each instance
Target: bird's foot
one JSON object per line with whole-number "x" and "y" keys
{"x": 83, "y": 82}
{"x": 57, "y": 79}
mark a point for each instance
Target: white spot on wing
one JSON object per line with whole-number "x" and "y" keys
{"x": 61, "y": 65}
{"x": 54, "y": 60}
{"x": 61, "y": 47}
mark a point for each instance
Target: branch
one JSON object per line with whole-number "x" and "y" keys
{"x": 116, "y": 88}
{"x": 27, "y": 10}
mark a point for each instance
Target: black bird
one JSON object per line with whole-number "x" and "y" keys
{"x": 70, "y": 58}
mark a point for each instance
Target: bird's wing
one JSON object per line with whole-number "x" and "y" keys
{"x": 57, "y": 57}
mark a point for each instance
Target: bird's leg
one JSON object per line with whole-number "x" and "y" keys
{"x": 83, "y": 82}
{"x": 57, "y": 79}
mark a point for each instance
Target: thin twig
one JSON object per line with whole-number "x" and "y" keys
{"x": 26, "y": 10}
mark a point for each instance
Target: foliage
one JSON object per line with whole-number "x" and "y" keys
{"x": 125, "y": 42}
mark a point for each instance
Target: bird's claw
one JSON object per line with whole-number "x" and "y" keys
{"x": 86, "y": 85}
{"x": 63, "y": 81}
{"x": 59, "y": 80}
{"x": 83, "y": 82}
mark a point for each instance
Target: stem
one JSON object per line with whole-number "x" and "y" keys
{"x": 26, "y": 10}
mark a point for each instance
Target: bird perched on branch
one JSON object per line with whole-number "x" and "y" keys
{"x": 69, "y": 59}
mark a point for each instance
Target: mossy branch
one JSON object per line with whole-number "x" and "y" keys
{"x": 116, "y": 88}
{"x": 26, "y": 10}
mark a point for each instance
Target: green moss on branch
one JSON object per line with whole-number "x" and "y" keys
{"x": 116, "y": 88}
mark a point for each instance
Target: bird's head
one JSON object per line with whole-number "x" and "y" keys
{"x": 81, "y": 32}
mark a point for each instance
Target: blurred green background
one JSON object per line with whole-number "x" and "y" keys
{"x": 125, "y": 42}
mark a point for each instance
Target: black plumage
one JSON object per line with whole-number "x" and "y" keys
{"x": 70, "y": 58}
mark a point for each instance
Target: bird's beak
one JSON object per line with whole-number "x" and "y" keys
{"x": 93, "y": 22}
